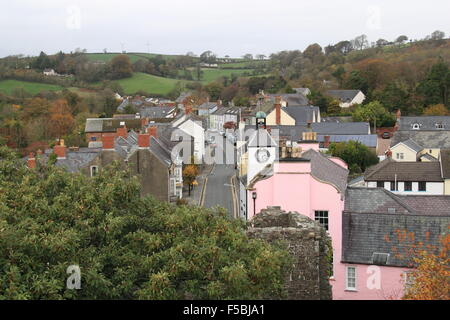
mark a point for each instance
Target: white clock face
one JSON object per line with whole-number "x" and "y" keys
{"x": 262, "y": 155}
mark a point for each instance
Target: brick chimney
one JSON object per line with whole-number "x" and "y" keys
{"x": 122, "y": 132}
{"x": 399, "y": 114}
{"x": 326, "y": 143}
{"x": 60, "y": 150}
{"x": 108, "y": 142}
{"x": 31, "y": 162}
{"x": 144, "y": 140}
{"x": 153, "y": 131}
{"x": 219, "y": 102}
{"x": 278, "y": 110}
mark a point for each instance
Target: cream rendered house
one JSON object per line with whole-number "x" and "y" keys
{"x": 407, "y": 150}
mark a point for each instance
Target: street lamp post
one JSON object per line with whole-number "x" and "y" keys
{"x": 254, "y": 202}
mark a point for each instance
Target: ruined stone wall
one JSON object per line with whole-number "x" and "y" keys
{"x": 309, "y": 245}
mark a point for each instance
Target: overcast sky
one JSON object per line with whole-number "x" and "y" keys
{"x": 231, "y": 27}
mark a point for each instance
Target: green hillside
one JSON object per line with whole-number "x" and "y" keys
{"x": 148, "y": 83}
{"x": 8, "y": 86}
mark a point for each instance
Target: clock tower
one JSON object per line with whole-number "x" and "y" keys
{"x": 262, "y": 151}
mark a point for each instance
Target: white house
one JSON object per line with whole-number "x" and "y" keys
{"x": 406, "y": 178}
{"x": 193, "y": 126}
{"x": 347, "y": 98}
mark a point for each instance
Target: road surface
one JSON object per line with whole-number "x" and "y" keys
{"x": 218, "y": 189}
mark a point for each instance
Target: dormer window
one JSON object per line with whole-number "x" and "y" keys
{"x": 416, "y": 126}
{"x": 439, "y": 126}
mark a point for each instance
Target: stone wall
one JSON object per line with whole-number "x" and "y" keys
{"x": 309, "y": 245}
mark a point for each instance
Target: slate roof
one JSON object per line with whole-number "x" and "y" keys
{"x": 369, "y": 140}
{"x": 230, "y": 110}
{"x": 74, "y": 160}
{"x": 295, "y": 132}
{"x": 426, "y": 123}
{"x": 322, "y": 168}
{"x": 303, "y": 115}
{"x": 207, "y": 105}
{"x": 326, "y": 170}
{"x": 292, "y": 99}
{"x": 445, "y": 161}
{"x": 410, "y": 143}
{"x": 343, "y": 95}
{"x": 405, "y": 171}
{"x": 427, "y": 139}
{"x": 110, "y": 124}
{"x": 370, "y": 224}
{"x": 156, "y": 112}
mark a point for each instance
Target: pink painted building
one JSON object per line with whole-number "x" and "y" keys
{"x": 364, "y": 264}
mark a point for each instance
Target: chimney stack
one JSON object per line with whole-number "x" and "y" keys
{"x": 108, "y": 142}
{"x": 144, "y": 122}
{"x": 31, "y": 163}
{"x": 153, "y": 131}
{"x": 122, "y": 132}
{"x": 326, "y": 143}
{"x": 144, "y": 140}
{"x": 399, "y": 114}
{"x": 60, "y": 150}
{"x": 278, "y": 110}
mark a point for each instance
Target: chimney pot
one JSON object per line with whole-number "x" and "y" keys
{"x": 144, "y": 140}
{"x": 31, "y": 162}
{"x": 60, "y": 150}
{"x": 122, "y": 132}
{"x": 108, "y": 142}
{"x": 153, "y": 131}
{"x": 326, "y": 142}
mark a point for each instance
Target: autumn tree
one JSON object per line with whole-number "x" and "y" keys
{"x": 429, "y": 280}
{"x": 121, "y": 67}
{"x": 190, "y": 173}
{"x": 61, "y": 119}
{"x": 436, "y": 110}
{"x": 374, "y": 113}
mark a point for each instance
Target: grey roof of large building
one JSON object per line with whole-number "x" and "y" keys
{"x": 426, "y": 139}
{"x": 110, "y": 124}
{"x": 74, "y": 160}
{"x": 292, "y": 99}
{"x": 230, "y": 111}
{"x": 157, "y": 112}
{"x": 424, "y": 123}
{"x": 343, "y": 95}
{"x": 303, "y": 115}
{"x": 391, "y": 170}
{"x": 295, "y": 132}
{"x": 326, "y": 170}
{"x": 375, "y": 221}
{"x": 207, "y": 105}
{"x": 369, "y": 140}
{"x": 322, "y": 169}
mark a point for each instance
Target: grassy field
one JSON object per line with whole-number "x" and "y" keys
{"x": 211, "y": 74}
{"x": 7, "y": 86}
{"x": 106, "y": 57}
{"x": 148, "y": 83}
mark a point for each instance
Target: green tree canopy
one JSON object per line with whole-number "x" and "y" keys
{"x": 371, "y": 112}
{"x": 127, "y": 247}
{"x": 357, "y": 156}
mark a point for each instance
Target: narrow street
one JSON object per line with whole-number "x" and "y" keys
{"x": 219, "y": 189}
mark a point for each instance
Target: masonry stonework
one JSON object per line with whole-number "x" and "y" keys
{"x": 309, "y": 245}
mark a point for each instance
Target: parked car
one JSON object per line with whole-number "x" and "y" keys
{"x": 386, "y": 135}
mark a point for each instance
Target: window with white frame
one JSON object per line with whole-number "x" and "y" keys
{"x": 94, "y": 171}
{"x": 350, "y": 283}
{"x": 322, "y": 217}
{"x": 400, "y": 156}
